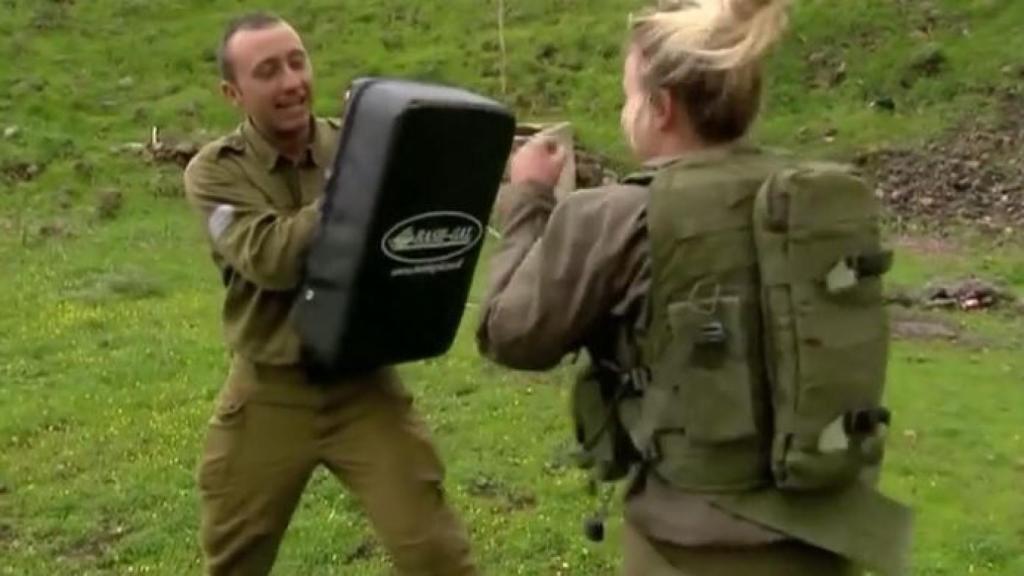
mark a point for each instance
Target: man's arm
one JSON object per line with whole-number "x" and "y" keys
{"x": 258, "y": 242}
{"x": 558, "y": 272}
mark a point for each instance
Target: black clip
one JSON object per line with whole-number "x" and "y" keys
{"x": 593, "y": 527}
{"x": 866, "y": 422}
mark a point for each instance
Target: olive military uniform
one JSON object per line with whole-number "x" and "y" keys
{"x": 271, "y": 427}
{"x": 578, "y": 275}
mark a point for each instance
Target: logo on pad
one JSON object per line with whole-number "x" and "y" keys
{"x": 432, "y": 237}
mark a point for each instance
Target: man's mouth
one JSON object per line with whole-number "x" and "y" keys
{"x": 293, "y": 104}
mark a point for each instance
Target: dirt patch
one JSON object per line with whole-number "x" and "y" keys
{"x": 8, "y": 537}
{"x": 965, "y": 294}
{"x": 163, "y": 148}
{"x": 927, "y": 245}
{"x": 924, "y": 328}
{"x": 179, "y": 153}
{"x": 94, "y": 546}
{"x": 116, "y": 286}
{"x": 508, "y": 499}
{"x": 109, "y": 204}
{"x": 484, "y": 486}
{"x": 927, "y": 62}
{"x": 826, "y": 68}
{"x": 58, "y": 228}
{"x": 14, "y": 172}
{"x": 973, "y": 175}
{"x": 366, "y": 550}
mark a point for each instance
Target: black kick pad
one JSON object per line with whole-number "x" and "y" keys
{"x": 404, "y": 218}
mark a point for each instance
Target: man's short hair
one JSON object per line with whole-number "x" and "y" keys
{"x": 250, "y": 21}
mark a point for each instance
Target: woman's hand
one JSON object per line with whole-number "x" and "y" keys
{"x": 539, "y": 160}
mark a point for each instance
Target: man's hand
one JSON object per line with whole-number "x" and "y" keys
{"x": 540, "y": 160}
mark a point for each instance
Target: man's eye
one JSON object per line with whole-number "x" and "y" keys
{"x": 266, "y": 70}
{"x": 297, "y": 62}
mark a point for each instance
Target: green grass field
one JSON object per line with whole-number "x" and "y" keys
{"x": 110, "y": 349}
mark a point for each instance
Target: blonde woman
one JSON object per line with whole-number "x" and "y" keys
{"x": 614, "y": 271}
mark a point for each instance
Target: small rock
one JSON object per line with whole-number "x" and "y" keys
{"x": 884, "y": 103}
{"x": 126, "y": 82}
{"x": 11, "y": 132}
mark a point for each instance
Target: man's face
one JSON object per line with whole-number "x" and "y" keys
{"x": 272, "y": 78}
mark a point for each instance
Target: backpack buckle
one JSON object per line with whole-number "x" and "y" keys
{"x": 636, "y": 379}
{"x": 712, "y": 334}
{"x": 867, "y": 422}
{"x": 848, "y": 271}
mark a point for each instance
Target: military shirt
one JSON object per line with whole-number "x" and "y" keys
{"x": 259, "y": 211}
{"x": 574, "y": 275}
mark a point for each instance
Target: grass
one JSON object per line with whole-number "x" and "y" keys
{"x": 110, "y": 350}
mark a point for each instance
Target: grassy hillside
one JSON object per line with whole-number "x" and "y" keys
{"x": 110, "y": 350}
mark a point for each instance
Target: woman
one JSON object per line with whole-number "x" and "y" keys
{"x": 579, "y": 274}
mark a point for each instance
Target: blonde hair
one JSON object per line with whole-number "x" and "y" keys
{"x": 708, "y": 54}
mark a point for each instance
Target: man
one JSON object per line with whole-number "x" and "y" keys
{"x": 257, "y": 193}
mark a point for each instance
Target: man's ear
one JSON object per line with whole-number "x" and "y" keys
{"x": 231, "y": 93}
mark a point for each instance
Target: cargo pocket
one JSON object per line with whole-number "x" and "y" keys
{"x": 224, "y": 440}
{"x": 843, "y": 347}
{"x": 713, "y": 369}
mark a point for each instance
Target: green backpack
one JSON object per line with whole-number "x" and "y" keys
{"x": 763, "y": 367}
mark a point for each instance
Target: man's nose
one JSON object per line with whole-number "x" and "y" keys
{"x": 293, "y": 79}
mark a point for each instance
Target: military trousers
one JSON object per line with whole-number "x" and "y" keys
{"x": 271, "y": 429}
{"x": 645, "y": 557}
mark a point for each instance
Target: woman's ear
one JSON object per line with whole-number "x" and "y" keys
{"x": 665, "y": 109}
